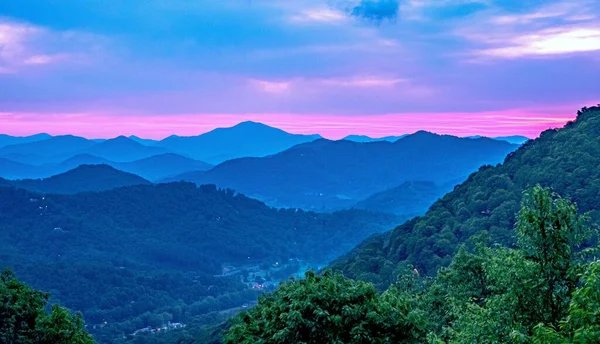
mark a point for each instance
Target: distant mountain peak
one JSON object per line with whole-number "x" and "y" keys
{"x": 67, "y": 136}
{"x": 99, "y": 172}
{"x": 120, "y": 141}
{"x": 251, "y": 123}
{"x": 425, "y": 133}
{"x": 245, "y": 139}
{"x": 81, "y": 179}
{"x": 251, "y": 126}
{"x": 120, "y": 138}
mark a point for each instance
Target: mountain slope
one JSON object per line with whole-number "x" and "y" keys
{"x": 54, "y": 149}
{"x": 516, "y": 139}
{"x": 122, "y": 149}
{"x": 566, "y": 160}
{"x": 81, "y": 179}
{"x": 410, "y": 198}
{"x": 152, "y": 168}
{"x": 11, "y": 169}
{"x": 6, "y": 140}
{"x": 147, "y": 142}
{"x": 162, "y": 166}
{"x": 325, "y": 174}
{"x": 76, "y": 161}
{"x": 247, "y": 139}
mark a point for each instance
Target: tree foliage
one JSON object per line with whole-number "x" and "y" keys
{"x": 23, "y": 318}
{"x": 329, "y": 308}
{"x": 543, "y": 291}
{"x": 490, "y": 290}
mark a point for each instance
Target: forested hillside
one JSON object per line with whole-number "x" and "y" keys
{"x": 566, "y": 160}
{"x": 144, "y": 255}
{"x": 544, "y": 291}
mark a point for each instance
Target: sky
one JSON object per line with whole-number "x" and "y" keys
{"x": 152, "y": 68}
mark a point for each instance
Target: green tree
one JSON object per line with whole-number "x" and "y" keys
{"x": 582, "y": 325}
{"x": 329, "y": 308}
{"x": 20, "y": 306}
{"x": 550, "y": 231}
{"x": 23, "y": 319}
{"x": 488, "y": 293}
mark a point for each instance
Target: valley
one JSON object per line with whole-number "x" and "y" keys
{"x": 143, "y": 260}
{"x": 135, "y": 256}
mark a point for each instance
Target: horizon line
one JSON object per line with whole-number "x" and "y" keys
{"x": 521, "y": 122}
{"x": 398, "y": 135}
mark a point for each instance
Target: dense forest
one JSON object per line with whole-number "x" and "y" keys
{"x": 484, "y": 296}
{"x": 147, "y": 255}
{"x": 565, "y": 159}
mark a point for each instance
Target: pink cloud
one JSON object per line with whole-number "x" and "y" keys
{"x": 510, "y": 122}
{"x": 364, "y": 82}
{"x": 549, "y": 42}
{"x": 311, "y": 85}
{"x": 44, "y": 59}
{"x": 563, "y": 27}
{"x": 319, "y": 15}
{"x": 24, "y": 45}
{"x": 271, "y": 86}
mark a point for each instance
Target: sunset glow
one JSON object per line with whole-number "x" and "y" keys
{"x": 333, "y": 127}
{"x": 157, "y": 68}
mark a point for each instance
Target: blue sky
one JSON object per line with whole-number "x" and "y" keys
{"x": 156, "y": 67}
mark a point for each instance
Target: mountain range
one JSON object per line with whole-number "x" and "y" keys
{"x": 309, "y": 173}
{"x": 50, "y": 150}
{"x": 515, "y": 139}
{"x": 484, "y": 206}
{"x": 42, "y": 155}
{"x": 246, "y": 139}
{"x": 153, "y": 168}
{"x": 325, "y": 175}
{"x": 6, "y": 140}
